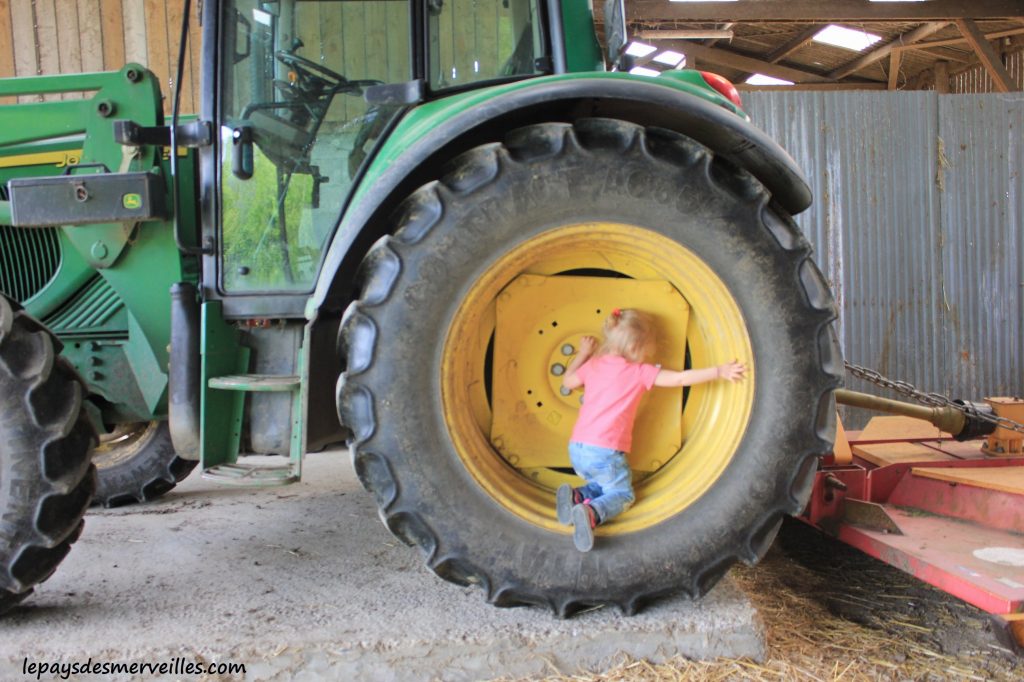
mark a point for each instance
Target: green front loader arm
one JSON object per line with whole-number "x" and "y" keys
{"x": 103, "y": 288}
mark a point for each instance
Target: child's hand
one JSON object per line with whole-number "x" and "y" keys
{"x": 588, "y": 344}
{"x": 732, "y": 371}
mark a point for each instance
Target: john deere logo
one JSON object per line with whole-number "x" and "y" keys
{"x": 131, "y": 201}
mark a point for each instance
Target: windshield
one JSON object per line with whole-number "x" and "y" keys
{"x": 295, "y": 128}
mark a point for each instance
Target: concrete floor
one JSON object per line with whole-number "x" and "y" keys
{"x": 305, "y": 583}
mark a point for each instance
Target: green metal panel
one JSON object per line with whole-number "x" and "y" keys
{"x": 131, "y": 93}
{"x": 221, "y": 411}
{"x": 39, "y": 158}
{"x": 108, "y": 299}
{"x": 421, "y": 120}
{"x": 582, "y": 51}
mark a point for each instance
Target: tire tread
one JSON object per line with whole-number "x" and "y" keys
{"x": 425, "y": 208}
{"x": 64, "y": 478}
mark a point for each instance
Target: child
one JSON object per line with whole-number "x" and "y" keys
{"x": 614, "y": 380}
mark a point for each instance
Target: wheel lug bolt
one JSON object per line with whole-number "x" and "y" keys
{"x": 567, "y": 349}
{"x": 558, "y": 369}
{"x": 565, "y": 391}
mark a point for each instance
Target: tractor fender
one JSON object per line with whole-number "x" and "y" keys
{"x": 663, "y": 103}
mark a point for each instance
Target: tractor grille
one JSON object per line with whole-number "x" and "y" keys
{"x": 29, "y": 258}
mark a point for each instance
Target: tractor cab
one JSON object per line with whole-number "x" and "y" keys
{"x": 307, "y": 90}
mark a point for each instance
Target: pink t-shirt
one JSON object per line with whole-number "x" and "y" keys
{"x": 613, "y": 387}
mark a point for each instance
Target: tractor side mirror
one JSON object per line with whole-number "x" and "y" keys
{"x": 615, "y": 32}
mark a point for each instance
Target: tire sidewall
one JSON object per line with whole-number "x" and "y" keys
{"x": 720, "y": 219}
{"x": 149, "y": 473}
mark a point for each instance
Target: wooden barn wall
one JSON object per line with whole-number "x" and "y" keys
{"x": 977, "y": 79}
{"x": 360, "y": 40}
{"x": 39, "y": 37}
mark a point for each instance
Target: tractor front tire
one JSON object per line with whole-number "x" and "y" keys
{"x": 606, "y": 199}
{"x": 137, "y": 464}
{"x": 46, "y": 478}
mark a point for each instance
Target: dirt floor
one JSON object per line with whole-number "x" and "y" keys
{"x": 834, "y": 613}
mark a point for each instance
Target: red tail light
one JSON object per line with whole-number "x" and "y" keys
{"x": 723, "y": 86}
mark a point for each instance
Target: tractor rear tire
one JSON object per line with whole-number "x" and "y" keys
{"x": 46, "y": 477}
{"x": 139, "y": 464}
{"x": 555, "y": 189}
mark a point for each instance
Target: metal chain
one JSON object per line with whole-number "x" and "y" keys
{"x": 934, "y": 399}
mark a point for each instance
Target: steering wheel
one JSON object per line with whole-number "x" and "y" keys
{"x": 311, "y": 69}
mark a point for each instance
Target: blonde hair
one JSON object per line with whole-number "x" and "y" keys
{"x": 629, "y": 333}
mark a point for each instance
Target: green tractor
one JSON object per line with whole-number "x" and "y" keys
{"x": 389, "y": 226}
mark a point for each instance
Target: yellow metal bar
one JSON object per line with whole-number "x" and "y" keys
{"x": 841, "y": 450}
{"x": 60, "y": 159}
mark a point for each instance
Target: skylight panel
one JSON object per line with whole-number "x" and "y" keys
{"x": 638, "y": 49}
{"x": 761, "y": 79}
{"x": 847, "y": 38}
{"x": 670, "y": 58}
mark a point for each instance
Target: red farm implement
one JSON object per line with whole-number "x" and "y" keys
{"x": 950, "y": 513}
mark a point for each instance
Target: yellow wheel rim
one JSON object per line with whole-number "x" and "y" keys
{"x": 123, "y": 444}
{"x": 715, "y": 415}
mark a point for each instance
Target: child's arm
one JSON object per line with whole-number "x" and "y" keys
{"x": 587, "y": 346}
{"x": 730, "y": 371}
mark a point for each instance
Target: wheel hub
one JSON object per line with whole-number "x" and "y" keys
{"x": 540, "y": 321}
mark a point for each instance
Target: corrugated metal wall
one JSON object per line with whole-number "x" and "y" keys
{"x": 983, "y": 218}
{"x": 917, "y": 221}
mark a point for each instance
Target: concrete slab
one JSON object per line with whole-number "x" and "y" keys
{"x": 305, "y": 583}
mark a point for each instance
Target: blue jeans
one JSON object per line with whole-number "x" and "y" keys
{"x": 609, "y": 481}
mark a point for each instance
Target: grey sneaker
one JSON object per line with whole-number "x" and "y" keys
{"x": 584, "y": 519}
{"x": 566, "y": 498}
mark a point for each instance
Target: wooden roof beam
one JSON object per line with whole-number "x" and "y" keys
{"x": 683, "y": 34}
{"x": 793, "y": 44}
{"x": 747, "y": 64}
{"x": 845, "y": 85}
{"x": 919, "y": 33}
{"x": 788, "y": 48}
{"x": 1000, "y": 76}
{"x": 710, "y": 42}
{"x": 945, "y": 54}
{"x": 894, "y": 69}
{"x": 818, "y": 11}
{"x": 929, "y": 44}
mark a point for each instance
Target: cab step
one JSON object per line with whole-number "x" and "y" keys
{"x": 228, "y": 470}
{"x": 253, "y": 475}
{"x": 256, "y": 382}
